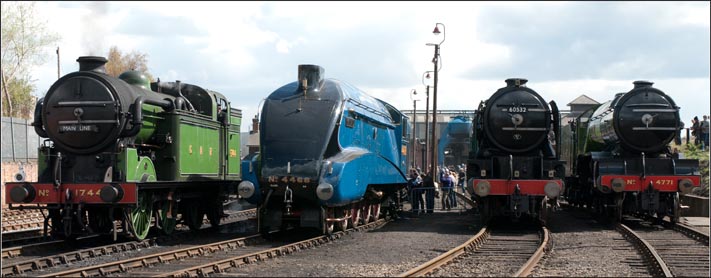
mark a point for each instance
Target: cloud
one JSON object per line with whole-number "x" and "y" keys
{"x": 246, "y": 50}
{"x": 596, "y": 40}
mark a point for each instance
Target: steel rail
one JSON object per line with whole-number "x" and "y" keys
{"x": 144, "y": 261}
{"x": 235, "y": 262}
{"x": 526, "y": 269}
{"x": 692, "y": 233}
{"x": 166, "y": 257}
{"x": 12, "y": 252}
{"x": 659, "y": 267}
{"x": 471, "y": 244}
{"x": 18, "y": 237}
{"x": 74, "y": 256}
{"x": 465, "y": 198}
{"x": 79, "y": 255}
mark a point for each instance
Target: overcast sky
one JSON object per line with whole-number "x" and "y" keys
{"x": 246, "y": 50}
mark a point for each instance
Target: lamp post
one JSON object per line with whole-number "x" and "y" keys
{"x": 413, "y": 93}
{"x": 427, "y": 118}
{"x": 436, "y": 61}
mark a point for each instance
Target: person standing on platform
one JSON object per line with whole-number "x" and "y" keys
{"x": 704, "y": 133}
{"x": 446, "y": 186}
{"x": 452, "y": 196}
{"x": 429, "y": 187}
{"x": 415, "y": 184}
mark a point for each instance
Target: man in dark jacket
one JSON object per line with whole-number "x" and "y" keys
{"x": 429, "y": 186}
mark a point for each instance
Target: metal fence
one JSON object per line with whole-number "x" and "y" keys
{"x": 429, "y": 199}
{"x": 19, "y": 140}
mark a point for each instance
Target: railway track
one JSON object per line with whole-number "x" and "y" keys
{"x": 17, "y": 247}
{"x": 494, "y": 252}
{"x": 92, "y": 247}
{"x": 19, "y": 222}
{"x": 33, "y": 234}
{"x": 677, "y": 252}
{"x": 9, "y": 213}
{"x": 202, "y": 260}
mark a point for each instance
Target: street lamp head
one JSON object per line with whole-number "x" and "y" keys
{"x": 413, "y": 94}
{"x": 425, "y": 76}
{"x": 437, "y": 32}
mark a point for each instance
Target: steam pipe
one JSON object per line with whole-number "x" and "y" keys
{"x": 138, "y": 113}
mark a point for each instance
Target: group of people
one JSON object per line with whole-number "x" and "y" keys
{"x": 420, "y": 183}
{"x": 700, "y": 130}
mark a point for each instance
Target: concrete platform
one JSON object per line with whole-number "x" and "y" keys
{"x": 700, "y": 223}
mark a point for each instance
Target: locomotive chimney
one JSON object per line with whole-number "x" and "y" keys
{"x": 310, "y": 77}
{"x": 255, "y": 125}
{"x": 516, "y": 82}
{"x": 92, "y": 63}
{"x": 642, "y": 84}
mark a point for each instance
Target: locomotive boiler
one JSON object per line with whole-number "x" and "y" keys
{"x": 623, "y": 163}
{"x": 512, "y": 168}
{"x": 330, "y": 155}
{"x": 455, "y": 141}
{"x": 123, "y": 152}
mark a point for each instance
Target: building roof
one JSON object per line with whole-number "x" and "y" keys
{"x": 583, "y": 99}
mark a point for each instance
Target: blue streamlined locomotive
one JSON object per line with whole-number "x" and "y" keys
{"x": 455, "y": 140}
{"x": 330, "y": 155}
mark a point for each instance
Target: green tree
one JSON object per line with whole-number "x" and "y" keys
{"x": 24, "y": 40}
{"x": 120, "y": 62}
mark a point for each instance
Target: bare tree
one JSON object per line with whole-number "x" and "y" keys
{"x": 23, "y": 41}
{"x": 120, "y": 62}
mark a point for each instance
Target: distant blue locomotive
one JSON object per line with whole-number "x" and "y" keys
{"x": 454, "y": 144}
{"x": 330, "y": 155}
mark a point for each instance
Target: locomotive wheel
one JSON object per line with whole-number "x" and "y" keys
{"x": 543, "y": 213}
{"x": 365, "y": 213}
{"x": 483, "y": 206}
{"x": 67, "y": 221}
{"x": 343, "y": 213}
{"x": 69, "y": 224}
{"x": 375, "y": 209}
{"x": 355, "y": 216}
{"x": 618, "y": 208}
{"x": 54, "y": 223}
{"x": 168, "y": 215}
{"x": 214, "y": 214}
{"x": 676, "y": 209}
{"x": 99, "y": 220}
{"x": 193, "y": 216}
{"x": 329, "y": 225}
{"x": 141, "y": 215}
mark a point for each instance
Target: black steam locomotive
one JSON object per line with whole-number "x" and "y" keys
{"x": 513, "y": 168}
{"x": 123, "y": 151}
{"x": 622, "y": 160}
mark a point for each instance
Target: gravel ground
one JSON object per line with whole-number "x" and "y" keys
{"x": 388, "y": 251}
{"x": 581, "y": 247}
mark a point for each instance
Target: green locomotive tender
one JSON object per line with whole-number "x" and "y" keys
{"x": 124, "y": 154}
